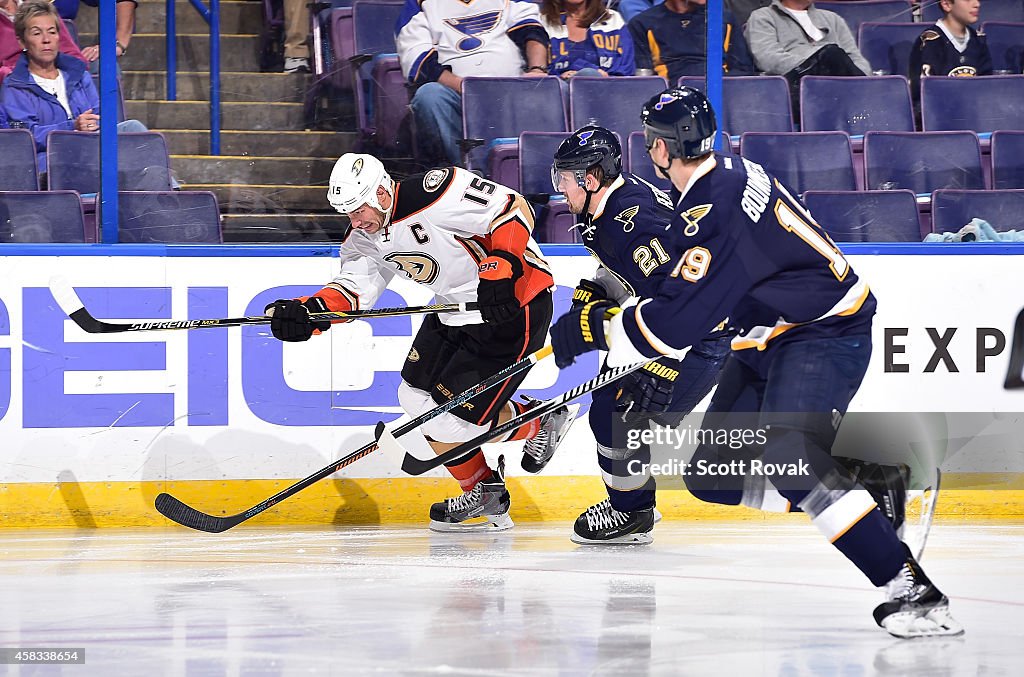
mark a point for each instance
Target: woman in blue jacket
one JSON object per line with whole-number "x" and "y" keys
{"x": 587, "y": 38}
{"x": 49, "y": 90}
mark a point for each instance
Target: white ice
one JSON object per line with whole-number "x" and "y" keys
{"x": 705, "y": 599}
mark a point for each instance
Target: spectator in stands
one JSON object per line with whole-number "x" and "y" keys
{"x": 794, "y": 38}
{"x": 124, "y": 30}
{"x": 442, "y": 41}
{"x": 670, "y": 39}
{"x": 10, "y": 47}
{"x": 587, "y": 39}
{"x": 49, "y": 90}
{"x": 740, "y": 9}
{"x": 296, "y": 34}
{"x": 950, "y": 48}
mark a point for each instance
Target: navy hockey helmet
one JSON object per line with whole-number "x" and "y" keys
{"x": 588, "y": 147}
{"x": 683, "y": 117}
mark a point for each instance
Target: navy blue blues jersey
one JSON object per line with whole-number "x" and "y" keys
{"x": 744, "y": 248}
{"x": 629, "y": 234}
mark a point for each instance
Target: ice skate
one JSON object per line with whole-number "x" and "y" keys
{"x": 553, "y": 428}
{"x": 482, "y": 508}
{"x": 602, "y": 524}
{"x": 915, "y": 607}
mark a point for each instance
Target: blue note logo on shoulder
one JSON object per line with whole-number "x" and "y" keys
{"x": 473, "y": 26}
{"x": 585, "y": 136}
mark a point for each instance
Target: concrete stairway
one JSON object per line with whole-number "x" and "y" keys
{"x": 271, "y": 176}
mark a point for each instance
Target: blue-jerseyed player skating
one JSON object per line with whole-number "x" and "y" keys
{"x": 624, "y": 224}
{"x": 803, "y": 321}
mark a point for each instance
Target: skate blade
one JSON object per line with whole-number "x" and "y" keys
{"x": 491, "y": 523}
{"x": 641, "y": 538}
{"x": 911, "y": 625}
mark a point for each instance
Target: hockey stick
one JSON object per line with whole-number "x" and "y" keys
{"x": 69, "y": 302}
{"x": 1013, "y": 373}
{"x": 183, "y": 514}
{"x": 418, "y": 466}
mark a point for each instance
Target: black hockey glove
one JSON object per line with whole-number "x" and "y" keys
{"x": 496, "y": 291}
{"x": 648, "y": 390}
{"x": 587, "y": 291}
{"x": 291, "y": 318}
{"x": 580, "y": 331}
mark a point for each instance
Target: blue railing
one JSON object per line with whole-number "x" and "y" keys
{"x": 109, "y": 95}
{"x": 212, "y": 17}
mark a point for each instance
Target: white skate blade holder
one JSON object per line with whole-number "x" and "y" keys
{"x": 489, "y": 523}
{"x": 641, "y": 538}
{"x": 935, "y": 623}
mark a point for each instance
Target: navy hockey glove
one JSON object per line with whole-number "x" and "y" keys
{"x": 496, "y": 291}
{"x": 579, "y": 331}
{"x": 291, "y": 318}
{"x": 649, "y": 389}
{"x": 587, "y": 291}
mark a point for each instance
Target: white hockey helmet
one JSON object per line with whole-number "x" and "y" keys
{"x": 354, "y": 182}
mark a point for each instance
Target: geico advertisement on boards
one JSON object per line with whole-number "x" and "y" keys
{"x": 236, "y": 403}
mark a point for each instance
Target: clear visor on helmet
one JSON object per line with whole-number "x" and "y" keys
{"x": 563, "y": 179}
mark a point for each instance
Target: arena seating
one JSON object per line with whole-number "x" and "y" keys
{"x": 804, "y": 160}
{"x": 923, "y": 161}
{"x": 952, "y": 209}
{"x": 18, "y": 168}
{"x": 1008, "y": 159}
{"x": 982, "y": 105}
{"x": 169, "y": 217}
{"x": 856, "y": 105}
{"x": 43, "y": 216}
{"x": 866, "y": 216}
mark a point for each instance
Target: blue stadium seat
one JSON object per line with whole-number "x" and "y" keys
{"x": 169, "y": 217}
{"x": 922, "y": 161}
{"x": 857, "y": 12}
{"x": 752, "y": 104}
{"x": 18, "y": 168}
{"x": 536, "y": 152}
{"x": 887, "y": 46}
{"x": 982, "y": 105}
{"x": 73, "y": 161}
{"x": 856, "y": 105}
{"x": 611, "y": 102}
{"x": 374, "y": 36}
{"x": 48, "y": 216}
{"x": 503, "y": 108}
{"x": 640, "y": 163}
{"x": 1006, "y": 43}
{"x": 1008, "y": 159}
{"x": 953, "y": 209}
{"x": 866, "y": 216}
{"x": 804, "y": 160}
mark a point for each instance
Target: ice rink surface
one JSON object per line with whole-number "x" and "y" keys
{"x": 705, "y": 599}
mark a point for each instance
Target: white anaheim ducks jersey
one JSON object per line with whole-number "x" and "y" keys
{"x": 440, "y": 231}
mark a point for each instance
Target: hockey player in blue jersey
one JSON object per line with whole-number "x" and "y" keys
{"x": 624, "y": 225}
{"x": 803, "y": 320}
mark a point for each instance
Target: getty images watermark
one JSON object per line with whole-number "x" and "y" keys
{"x": 665, "y": 438}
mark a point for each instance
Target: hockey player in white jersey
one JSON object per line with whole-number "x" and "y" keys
{"x": 466, "y": 239}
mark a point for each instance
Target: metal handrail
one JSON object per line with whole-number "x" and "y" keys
{"x": 212, "y": 17}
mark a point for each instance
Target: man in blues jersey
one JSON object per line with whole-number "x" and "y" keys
{"x": 803, "y": 322}
{"x": 625, "y": 226}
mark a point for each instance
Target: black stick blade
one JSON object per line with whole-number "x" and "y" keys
{"x": 416, "y": 466}
{"x": 187, "y": 516}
